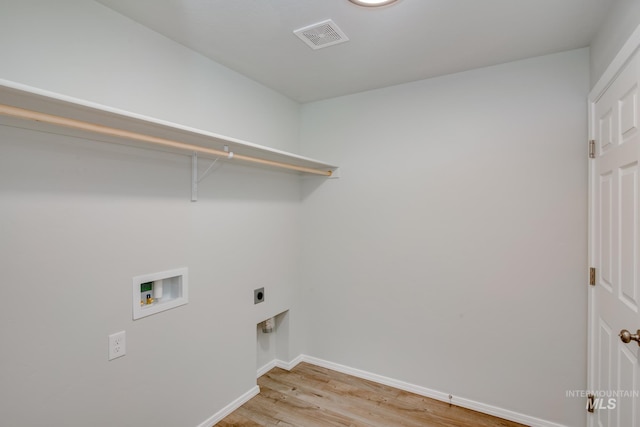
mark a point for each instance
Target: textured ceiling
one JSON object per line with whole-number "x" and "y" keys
{"x": 407, "y": 41}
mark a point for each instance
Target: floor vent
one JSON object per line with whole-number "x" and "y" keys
{"x": 322, "y": 34}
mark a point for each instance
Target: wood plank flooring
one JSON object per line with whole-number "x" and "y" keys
{"x": 312, "y": 396}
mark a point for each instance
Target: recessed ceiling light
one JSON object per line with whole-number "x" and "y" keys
{"x": 372, "y": 2}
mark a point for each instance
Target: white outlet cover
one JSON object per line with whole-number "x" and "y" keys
{"x": 117, "y": 345}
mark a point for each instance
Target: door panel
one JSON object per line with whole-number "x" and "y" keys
{"x": 604, "y": 368}
{"x": 606, "y": 229}
{"x": 615, "y": 300}
{"x": 605, "y": 128}
{"x": 627, "y": 363}
{"x": 628, "y": 235}
{"x": 629, "y": 112}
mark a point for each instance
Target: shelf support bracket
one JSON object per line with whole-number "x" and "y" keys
{"x": 194, "y": 177}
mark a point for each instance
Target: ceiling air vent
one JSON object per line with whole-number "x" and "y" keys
{"x": 322, "y": 34}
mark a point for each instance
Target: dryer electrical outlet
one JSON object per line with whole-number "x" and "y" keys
{"x": 258, "y": 295}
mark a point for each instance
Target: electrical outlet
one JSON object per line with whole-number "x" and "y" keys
{"x": 117, "y": 345}
{"x": 258, "y": 296}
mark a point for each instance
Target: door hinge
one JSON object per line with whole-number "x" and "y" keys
{"x": 592, "y": 149}
{"x": 592, "y": 276}
{"x": 591, "y": 403}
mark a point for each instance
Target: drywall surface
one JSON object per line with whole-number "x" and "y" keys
{"x": 79, "y": 219}
{"x": 451, "y": 254}
{"x": 82, "y": 49}
{"x": 622, "y": 20}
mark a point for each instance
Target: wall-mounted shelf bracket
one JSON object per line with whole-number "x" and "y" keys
{"x": 195, "y": 179}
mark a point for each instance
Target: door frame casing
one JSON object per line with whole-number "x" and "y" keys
{"x": 628, "y": 50}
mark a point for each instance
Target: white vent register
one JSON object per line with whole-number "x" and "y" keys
{"x": 156, "y": 292}
{"x": 322, "y": 34}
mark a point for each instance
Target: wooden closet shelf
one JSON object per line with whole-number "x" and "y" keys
{"x": 24, "y": 106}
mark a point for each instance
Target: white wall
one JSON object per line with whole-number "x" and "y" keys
{"x": 622, "y": 20}
{"x": 452, "y": 252}
{"x": 79, "y": 219}
{"x": 82, "y": 49}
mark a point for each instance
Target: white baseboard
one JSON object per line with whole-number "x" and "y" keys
{"x": 277, "y": 363}
{"x": 412, "y": 388}
{"x": 218, "y": 416}
{"x": 289, "y": 365}
{"x": 433, "y": 394}
{"x": 266, "y": 368}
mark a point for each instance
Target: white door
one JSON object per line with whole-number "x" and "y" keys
{"x": 614, "y": 370}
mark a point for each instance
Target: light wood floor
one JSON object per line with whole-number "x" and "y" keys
{"x": 311, "y": 396}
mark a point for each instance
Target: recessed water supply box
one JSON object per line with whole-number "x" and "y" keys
{"x": 156, "y": 292}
